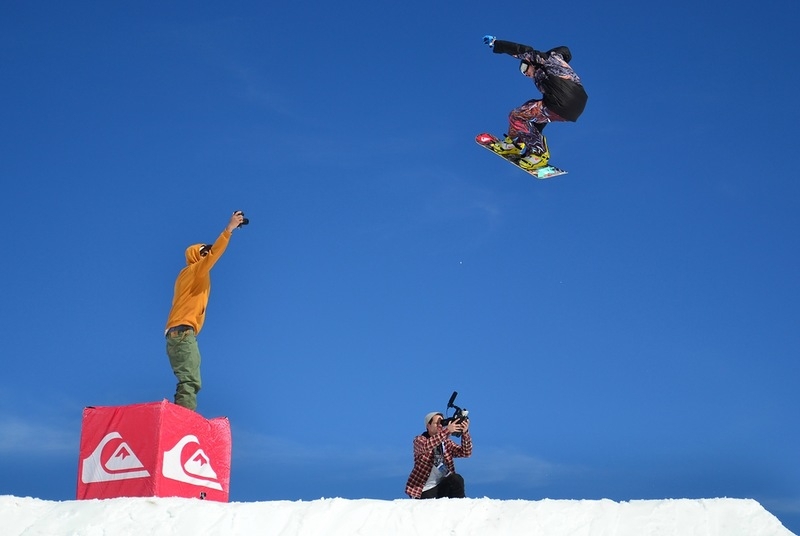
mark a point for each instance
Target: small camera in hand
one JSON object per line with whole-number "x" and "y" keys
{"x": 245, "y": 221}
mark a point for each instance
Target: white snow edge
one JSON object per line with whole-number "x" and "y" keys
{"x": 346, "y": 517}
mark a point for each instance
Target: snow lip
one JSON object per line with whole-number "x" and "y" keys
{"x": 146, "y": 516}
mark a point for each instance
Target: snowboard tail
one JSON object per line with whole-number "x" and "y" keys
{"x": 545, "y": 172}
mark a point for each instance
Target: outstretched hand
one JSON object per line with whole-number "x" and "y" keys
{"x": 489, "y": 40}
{"x": 235, "y": 221}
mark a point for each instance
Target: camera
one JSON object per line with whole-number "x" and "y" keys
{"x": 245, "y": 221}
{"x": 460, "y": 415}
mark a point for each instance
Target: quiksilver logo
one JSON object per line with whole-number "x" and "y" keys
{"x": 197, "y": 470}
{"x": 123, "y": 463}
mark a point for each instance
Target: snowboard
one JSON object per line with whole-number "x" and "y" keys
{"x": 486, "y": 140}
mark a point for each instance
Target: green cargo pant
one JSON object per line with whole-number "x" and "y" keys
{"x": 184, "y": 356}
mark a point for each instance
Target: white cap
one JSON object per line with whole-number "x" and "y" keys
{"x": 431, "y": 415}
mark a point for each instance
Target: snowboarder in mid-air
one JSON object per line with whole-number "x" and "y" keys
{"x": 563, "y": 99}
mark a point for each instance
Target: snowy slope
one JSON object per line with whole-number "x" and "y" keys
{"x": 344, "y": 517}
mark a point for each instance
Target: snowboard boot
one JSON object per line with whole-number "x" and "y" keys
{"x": 532, "y": 159}
{"x": 507, "y": 146}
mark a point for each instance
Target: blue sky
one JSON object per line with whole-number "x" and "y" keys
{"x": 629, "y": 330}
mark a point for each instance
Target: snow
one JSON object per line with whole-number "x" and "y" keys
{"x": 347, "y": 517}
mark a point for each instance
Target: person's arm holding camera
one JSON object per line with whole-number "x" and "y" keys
{"x": 424, "y": 444}
{"x": 237, "y": 220}
{"x": 464, "y": 450}
{"x": 221, "y": 243}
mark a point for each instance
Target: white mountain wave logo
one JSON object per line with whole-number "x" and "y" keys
{"x": 197, "y": 470}
{"x": 123, "y": 463}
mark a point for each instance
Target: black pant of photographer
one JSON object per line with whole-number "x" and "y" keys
{"x": 452, "y": 486}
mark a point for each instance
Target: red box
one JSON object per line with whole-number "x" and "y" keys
{"x": 156, "y": 449}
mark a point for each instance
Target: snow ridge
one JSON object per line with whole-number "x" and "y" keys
{"x": 402, "y": 517}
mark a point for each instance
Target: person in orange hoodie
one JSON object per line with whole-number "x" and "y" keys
{"x": 188, "y": 312}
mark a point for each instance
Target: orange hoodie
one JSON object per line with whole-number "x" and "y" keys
{"x": 193, "y": 285}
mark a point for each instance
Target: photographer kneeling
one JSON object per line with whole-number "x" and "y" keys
{"x": 434, "y": 475}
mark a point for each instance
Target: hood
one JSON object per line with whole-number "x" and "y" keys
{"x": 193, "y": 254}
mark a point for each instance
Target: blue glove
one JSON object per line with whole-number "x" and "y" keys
{"x": 489, "y": 40}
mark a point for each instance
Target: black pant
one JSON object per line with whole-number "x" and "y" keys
{"x": 451, "y": 486}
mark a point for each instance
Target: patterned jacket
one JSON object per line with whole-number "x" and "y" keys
{"x": 562, "y": 91}
{"x": 423, "y": 458}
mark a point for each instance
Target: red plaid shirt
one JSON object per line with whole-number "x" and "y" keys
{"x": 423, "y": 458}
